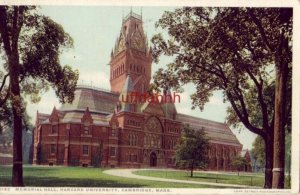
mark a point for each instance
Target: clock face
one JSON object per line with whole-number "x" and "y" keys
{"x": 138, "y": 41}
{"x": 121, "y": 46}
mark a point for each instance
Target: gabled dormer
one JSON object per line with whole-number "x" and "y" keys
{"x": 54, "y": 117}
{"x": 54, "y": 121}
{"x": 87, "y": 122}
{"x": 87, "y": 117}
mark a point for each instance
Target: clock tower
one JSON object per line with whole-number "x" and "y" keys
{"x": 131, "y": 56}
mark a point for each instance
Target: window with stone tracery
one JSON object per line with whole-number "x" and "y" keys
{"x": 153, "y": 130}
{"x": 132, "y": 140}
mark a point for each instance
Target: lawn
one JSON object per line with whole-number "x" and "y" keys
{"x": 82, "y": 177}
{"x": 257, "y": 179}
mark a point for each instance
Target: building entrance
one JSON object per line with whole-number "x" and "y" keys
{"x": 153, "y": 160}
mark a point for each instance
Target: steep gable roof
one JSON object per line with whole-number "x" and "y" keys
{"x": 216, "y": 131}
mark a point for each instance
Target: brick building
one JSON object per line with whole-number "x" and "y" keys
{"x": 100, "y": 128}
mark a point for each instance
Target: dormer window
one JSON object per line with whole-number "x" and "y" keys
{"x": 86, "y": 129}
{"x": 113, "y": 132}
{"x": 54, "y": 129}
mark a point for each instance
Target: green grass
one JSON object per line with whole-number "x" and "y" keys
{"x": 83, "y": 177}
{"x": 257, "y": 180}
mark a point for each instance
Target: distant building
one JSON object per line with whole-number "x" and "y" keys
{"x": 100, "y": 128}
{"x": 255, "y": 164}
{"x": 247, "y": 156}
{"x": 6, "y": 150}
{"x": 27, "y": 146}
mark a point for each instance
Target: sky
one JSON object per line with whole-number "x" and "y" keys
{"x": 94, "y": 30}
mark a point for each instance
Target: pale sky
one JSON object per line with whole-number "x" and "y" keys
{"x": 94, "y": 30}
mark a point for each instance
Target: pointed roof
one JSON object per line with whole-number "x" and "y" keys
{"x": 128, "y": 85}
{"x": 96, "y": 99}
{"x": 54, "y": 117}
{"x": 153, "y": 109}
{"x": 131, "y": 35}
{"x": 169, "y": 106}
{"x": 87, "y": 117}
{"x": 217, "y": 132}
{"x": 125, "y": 95}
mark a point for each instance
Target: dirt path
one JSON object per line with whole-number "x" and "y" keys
{"x": 128, "y": 173}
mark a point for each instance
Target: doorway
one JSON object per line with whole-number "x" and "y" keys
{"x": 153, "y": 160}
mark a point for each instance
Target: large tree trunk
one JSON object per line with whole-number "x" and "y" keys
{"x": 279, "y": 124}
{"x": 282, "y": 59}
{"x": 16, "y": 104}
{"x": 269, "y": 162}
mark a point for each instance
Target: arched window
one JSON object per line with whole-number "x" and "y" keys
{"x": 130, "y": 139}
{"x": 136, "y": 140}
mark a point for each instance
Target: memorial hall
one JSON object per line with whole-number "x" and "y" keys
{"x": 100, "y": 129}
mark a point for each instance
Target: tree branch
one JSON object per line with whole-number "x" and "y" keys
{"x": 244, "y": 120}
{"x": 240, "y": 97}
{"x": 3, "y": 82}
{"x": 6, "y": 97}
{"x": 261, "y": 100}
{"x": 259, "y": 87}
{"x": 260, "y": 29}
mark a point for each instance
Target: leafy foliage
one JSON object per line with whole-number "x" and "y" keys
{"x": 30, "y": 45}
{"x": 258, "y": 151}
{"x": 233, "y": 50}
{"x": 239, "y": 162}
{"x": 192, "y": 152}
{"x": 6, "y": 124}
{"x": 40, "y": 42}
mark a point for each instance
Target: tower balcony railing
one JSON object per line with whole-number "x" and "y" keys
{"x": 133, "y": 15}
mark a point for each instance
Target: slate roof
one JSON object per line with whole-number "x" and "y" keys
{"x": 125, "y": 93}
{"x": 101, "y": 104}
{"x": 97, "y": 100}
{"x": 216, "y": 131}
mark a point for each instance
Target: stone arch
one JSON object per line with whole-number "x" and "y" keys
{"x": 153, "y": 159}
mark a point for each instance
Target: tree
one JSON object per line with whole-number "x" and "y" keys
{"x": 30, "y": 45}
{"x": 233, "y": 50}
{"x": 258, "y": 151}
{"x": 6, "y": 126}
{"x": 192, "y": 151}
{"x": 239, "y": 163}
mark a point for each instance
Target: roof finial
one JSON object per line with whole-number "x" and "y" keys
{"x": 131, "y": 11}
